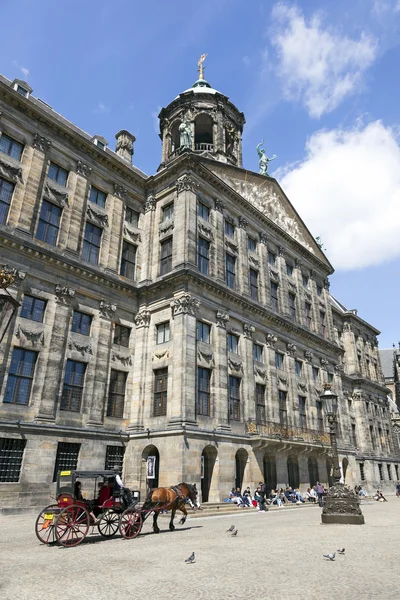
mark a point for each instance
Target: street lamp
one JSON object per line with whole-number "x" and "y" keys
{"x": 341, "y": 505}
{"x": 8, "y": 305}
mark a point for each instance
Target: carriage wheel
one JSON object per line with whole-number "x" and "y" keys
{"x": 44, "y": 526}
{"x": 72, "y": 525}
{"x": 131, "y": 523}
{"x": 108, "y": 524}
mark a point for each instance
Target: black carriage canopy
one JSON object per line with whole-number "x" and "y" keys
{"x": 66, "y": 479}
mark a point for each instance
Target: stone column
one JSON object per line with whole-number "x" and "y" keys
{"x": 248, "y": 383}
{"x": 221, "y": 373}
{"x": 149, "y": 240}
{"x": 185, "y": 220}
{"x": 124, "y": 147}
{"x": 350, "y": 347}
{"x": 283, "y": 285}
{"x": 219, "y": 258}
{"x": 140, "y": 409}
{"x": 263, "y": 286}
{"x": 242, "y": 265}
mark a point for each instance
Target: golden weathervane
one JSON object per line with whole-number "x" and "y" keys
{"x": 200, "y": 65}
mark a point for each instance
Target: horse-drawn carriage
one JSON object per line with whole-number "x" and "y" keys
{"x": 116, "y": 508}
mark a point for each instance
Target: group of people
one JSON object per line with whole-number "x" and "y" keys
{"x": 261, "y": 498}
{"x": 106, "y": 489}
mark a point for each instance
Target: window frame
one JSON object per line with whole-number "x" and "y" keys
{"x": 90, "y": 249}
{"x": 98, "y": 192}
{"x": 203, "y": 332}
{"x": 6, "y": 193}
{"x": 292, "y": 305}
{"x": 230, "y": 274}
{"x": 260, "y": 404}
{"x": 302, "y": 401}
{"x": 72, "y": 392}
{"x": 289, "y": 269}
{"x": 131, "y": 216}
{"x": 271, "y": 258}
{"x": 128, "y": 260}
{"x": 116, "y": 397}
{"x": 12, "y": 144}
{"x": 119, "y": 334}
{"x": 160, "y": 396}
{"x": 58, "y": 172}
{"x": 20, "y": 378}
{"x": 114, "y": 458}
{"x": 298, "y": 367}
{"x": 203, "y": 255}
{"x": 282, "y": 399}
{"x": 234, "y": 397}
{"x": 274, "y": 287}
{"x": 279, "y": 360}
{"x": 31, "y": 314}
{"x": 12, "y": 451}
{"x": 232, "y": 337}
{"x": 251, "y": 244}
{"x": 201, "y": 209}
{"x": 167, "y": 212}
{"x": 70, "y": 461}
{"x": 81, "y": 322}
{"x": 253, "y": 276}
{"x": 203, "y": 396}
{"x": 308, "y": 314}
{"x": 47, "y": 231}
{"x": 258, "y": 352}
{"x": 163, "y": 328}
{"x": 166, "y": 259}
{"x": 229, "y": 229}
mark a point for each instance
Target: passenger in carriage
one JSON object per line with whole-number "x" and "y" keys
{"x": 104, "y": 492}
{"x": 78, "y": 496}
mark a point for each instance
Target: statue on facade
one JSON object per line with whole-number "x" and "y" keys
{"x": 185, "y": 133}
{"x": 264, "y": 160}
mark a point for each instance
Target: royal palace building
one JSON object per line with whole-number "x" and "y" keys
{"x": 177, "y": 326}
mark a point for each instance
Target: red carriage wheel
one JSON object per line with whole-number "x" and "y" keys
{"x": 131, "y": 523}
{"x": 72, "y": 525}
{"x": 108, "y": 523}
{"x": 44, "y": 526}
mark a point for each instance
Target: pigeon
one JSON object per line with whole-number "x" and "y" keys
{"x": 231, "y": 528}
{"x": 330, "y": 556}
{"x": 234, "y": 533}
{"x": 341, "y": 550}
{"x": 191, "y": 559}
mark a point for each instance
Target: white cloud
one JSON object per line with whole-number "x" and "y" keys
{"x": 246, "y": 61}
{"x": 384, "y": 6}
{"x": 101, "y": 108}
{"x": 23, "y": 70}
{"x": 347, "y": 190}
{"x": 318, "y": 65}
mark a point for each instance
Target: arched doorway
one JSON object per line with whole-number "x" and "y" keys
{"x": 345, "y": 464}
{"x": 208, "y": 458}
{"x": 313, "y": 471}
{"x": 203, "y": 133}
{"x": 240, "y": 465}
{"x": 329, "y": 471}
{"x": 150, "y": 466}
{"x": 269, "y": 464}
{"x": 293, "y": 471}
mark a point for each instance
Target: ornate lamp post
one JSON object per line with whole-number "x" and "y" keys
{"x": 8, "y": 305}
{"x": 342, "y": 505}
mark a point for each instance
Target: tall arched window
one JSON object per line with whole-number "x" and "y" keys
{"x": 203, "y": 133}
{"x": 175, "y": 137}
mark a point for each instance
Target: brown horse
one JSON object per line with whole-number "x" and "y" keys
{"x": 173, "y": 499}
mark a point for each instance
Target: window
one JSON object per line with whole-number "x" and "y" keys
{"x": 372, "y": 437}
{"x": 230, "y": 263}
{"x": 396, "y": 468}
{"x": 292, "y": 306}
{"x": 6, "y": 192}
{"x": 20, "y": 376}
{"x": 229, "y": 229}
{"x": 302, "y": 412}
{"x": 73, "y": 386}
{"x": 203, "y": 257}
{"x": 320, "y": 416}
{"x": 279, "y": 360}
{"x": 260, "y": 404}
{"x": 168, "y": 212}
{"x": 166, "y": 256}
{"x": 67, "y": 458}
{"x": 289, "y": 269}
{"x": 234, "y": 398}
{"x": 21, "y": 90}
{"x": 91, "y": 244}
{"x": 282, "y": 408}
{"x": 257, "y": 352}
{"x": 330, "y": 377}
{"x": 274, "y": 296}
{"x": 131, "y": 216}
{"x": 305, "y": 280}
{"x": 11, "y": 147}
{"x": 350, "y": 404}
{"x": 114, "y": 458}
{"x": 308, "y": 315}
{"x": 319, "y": 289}
{"x": 49, "y": 223}
{"x": 233, "y": 343}
{"x": 33, "y": 308}
{"x": 203, "y": 392}
{"x": 362, "y": 473}
{"x": 97, "y": 197}
{"x": 160, "y": 392}
{"x": 322, "y": 321}
{"x": 354, "y": 435}
{"x": 116, "y": 394}
{"x": 203, "y": 211}
{"x": 380, "y": 468}
{"x": 298, "y": 365}
{"x": 203, "y": 332}
{"x": 81, "y": 323}
{"x": 11, "y": 455}
{"x": 251, "y": 244}
{"x": 57, "y": 174}
{"x": 128, "y": 260}
{"x": 389, "y": 472}
{"x": 122, "y": 335}
{"x": 315, "y": 373}
{"x": 163, "y": 333}
{"x": 254, "y": 284}
{"x": 271, "y": 258}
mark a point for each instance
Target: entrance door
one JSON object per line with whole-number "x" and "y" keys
{"x": 270, "y": 472}
{"x": 208, "y": 458}
{"x": 240, "y": 465}
{"x": 293, "y": 472}
{"x": 151, "y": 457}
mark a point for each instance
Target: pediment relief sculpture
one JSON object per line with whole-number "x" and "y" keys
{"x": 55, "y": 195}
{"x": 10, "y": 171}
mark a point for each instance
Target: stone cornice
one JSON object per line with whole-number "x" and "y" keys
{"x": 350, "y": 316}
{"x": 364, "y": 383}
{"x": 60, "y": 430}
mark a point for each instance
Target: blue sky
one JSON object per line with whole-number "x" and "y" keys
{"x": 317, "y": 80}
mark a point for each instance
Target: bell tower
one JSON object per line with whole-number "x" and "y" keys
{"x": 203, "y": 121}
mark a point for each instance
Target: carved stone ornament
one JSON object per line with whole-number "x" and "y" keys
{"x": 142, "y": 319}
{"x": 166, "y": 226}
{"x": 281, "y": 250}
{"x": 341, "y": 500}
{"x": 132, "y": 233}
{"x": 235, "y": 365}
{"x": 308, "y": 355}
{"x": 260, "y": 372}
{"x": 219, "y": 205}
{"x": 81, "y": 348}
{"x": 17, "y": 275}
{"x": 119, "y": 191}
{"x": 248, "y": 330}
{"x": 206, "y": 356}
{"x": 97, "y": 216}
{"x": 186, "y": 183}
{"x": 83, "y": 169}
{"x": 40, "y": 142}
{"x": 205, "y": 230}
{"x": 107, "y": 309}
{"x": 324, "y": 362}
{"x": 282, "y": 379}
{"x": 124, "y": 360}
{"x": 326, "y": 284}
{"x": 291, "y": 349}
{"x": 264, "y": 238}
{"x": 312, "y": 274}
{"x": 231, "y": 246}
{"x": 253, "y": 260}
{"x": 243, "y": 223}
{"x": 302, "y": 386}
{"x": 160, "y": 354}
{"x": 222, "y": 319}
{"x": 186, "y": 304}
{"x": 298, "y": 263}
{"x": 34, "y": 337}
{"x": 292, "y": 286}
{"x": 150, "y": 204}
{"x": 9, "y": 171}
{"x": 55, "y": 195}
{"x": 271, "y": 340}
{"x": 274, "y": 275}
{"x": 64, "y": 294}
{"x": 347, "y": 326}
{"x": 357, "y": 395}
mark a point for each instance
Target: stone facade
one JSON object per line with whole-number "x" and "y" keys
{"x": 184, "y": 316}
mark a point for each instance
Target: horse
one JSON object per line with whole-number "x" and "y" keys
{"x": 173, "y": 499}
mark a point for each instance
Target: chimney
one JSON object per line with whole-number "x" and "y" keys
{"x": 124, "y": 147}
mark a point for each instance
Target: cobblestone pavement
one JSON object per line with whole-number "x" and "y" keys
{"x": 275, "y": 555}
